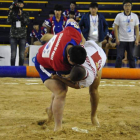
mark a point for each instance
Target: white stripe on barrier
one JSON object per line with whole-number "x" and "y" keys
{"x": 110, "y": 85}
{"x": 31, "y": 83}
{"x": 33, "y": 80}
{"x": 11, "y": 83}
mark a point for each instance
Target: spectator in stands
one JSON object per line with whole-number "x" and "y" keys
{"x": 125, "y": 24}
{"x": 72, "y": 8}
{"x": 18, "y": 33}
{"x": 111, "y": 42}
{"x": 93, "y": 25}
{"x": 125, "y": 55}
{"x": 51, "y": 13}
{"x": 37, "y": 33}
{"x": 56, "y": 23}
{"x": 105, "y": 41}
{"x": 71, "y": 15}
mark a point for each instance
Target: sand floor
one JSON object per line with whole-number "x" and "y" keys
{"x": 23, "y": 102}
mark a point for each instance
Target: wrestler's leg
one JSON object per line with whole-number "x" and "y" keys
{"x": 59, "y": 90}
{"x": 94, "y": 99}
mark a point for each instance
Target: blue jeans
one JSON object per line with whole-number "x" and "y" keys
{"x": 129, "y": 47}
{"x": 22, "y": 43}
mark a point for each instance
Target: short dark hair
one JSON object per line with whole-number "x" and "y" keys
{"x": 58, "y": 7}
{"x": 72, "y": 13}
{"x": 77, "y": 54}
{"x": 73, "y": 2}
{"x": 77, "y": 73}
{"x": 127, "y": 1}
{"x": 93, "y": 5}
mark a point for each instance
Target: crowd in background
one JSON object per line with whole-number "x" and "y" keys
{"x": 94, "y": 26}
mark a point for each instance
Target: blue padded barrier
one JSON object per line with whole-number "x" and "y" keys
{"x": 12, "y": 71}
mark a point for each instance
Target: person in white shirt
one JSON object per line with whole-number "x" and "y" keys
{"x": 126, "y": 23}
{"x": 88, "y": 75}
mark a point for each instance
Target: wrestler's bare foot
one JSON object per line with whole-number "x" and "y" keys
{"x": 46, "y": 121}
{"x": 50, "y": 115}
{"x": 58, "y": 128}
{"x": 95, "y": 122}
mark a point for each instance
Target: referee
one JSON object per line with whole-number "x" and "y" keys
{"x": 126, "y": 27}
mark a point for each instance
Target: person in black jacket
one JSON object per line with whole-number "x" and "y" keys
{"x": 18, "y": 32}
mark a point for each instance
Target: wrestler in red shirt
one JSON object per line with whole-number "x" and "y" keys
{"x": 61, "y": 52}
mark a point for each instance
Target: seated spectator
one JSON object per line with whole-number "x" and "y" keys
{"x": 72, "y": 8}
{"x": 111, "y": 42}
{"x": 105, "y": 41}
{"x": 56, "y": 23}
{"x": 51, "y": 13}
{"x": 37, "y": 33}
{"x": 71, "y": 15}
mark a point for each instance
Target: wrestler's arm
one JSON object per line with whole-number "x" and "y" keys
{"x": 66, "y": 81}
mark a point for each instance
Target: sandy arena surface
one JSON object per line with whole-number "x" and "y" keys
{"x": 23, "y": 102}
